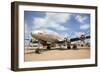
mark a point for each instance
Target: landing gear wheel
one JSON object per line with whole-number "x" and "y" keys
{"x": 74, "y": 47}
{"x": 48, "y": 47}
{"x": 37, "y": 51}
{"x": 68, "y": 47}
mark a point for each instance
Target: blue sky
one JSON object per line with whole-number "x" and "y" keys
{"x": 66, "y": 24}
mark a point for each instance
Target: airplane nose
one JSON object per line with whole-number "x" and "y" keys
{"x": 33, "y": 33}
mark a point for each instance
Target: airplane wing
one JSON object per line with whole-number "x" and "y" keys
{"x": 73, "y": 39}
{"x": 59, "y": 42}
{"x": 76, "y": 39}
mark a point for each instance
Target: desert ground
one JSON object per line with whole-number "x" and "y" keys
{"x": 56, "y": 54}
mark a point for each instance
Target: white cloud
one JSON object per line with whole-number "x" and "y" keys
{"x": 52, "y": 20}
{"x": 39, "y": 20}
{"x": 57, "y": 26}
{"x": 78, "y": 34}
{"x": 84, "y": 27}
{"x": 65, "y": 34}
{"x": 58, "y": 17}
{"x": 82, "y": 20}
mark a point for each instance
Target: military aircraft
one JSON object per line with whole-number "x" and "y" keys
{"x": 51, "y": 39}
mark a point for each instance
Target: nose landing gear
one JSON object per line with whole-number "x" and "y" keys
{"x": 37, "y": 51}
{"x": 48, "y": 47}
